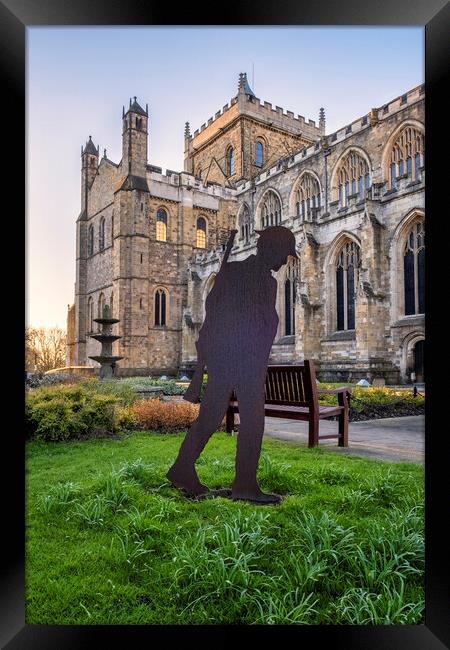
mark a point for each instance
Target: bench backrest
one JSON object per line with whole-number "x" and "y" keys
{"x": 292, "y": 385}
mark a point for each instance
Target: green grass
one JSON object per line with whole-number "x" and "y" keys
{"x": 110, "y": 542}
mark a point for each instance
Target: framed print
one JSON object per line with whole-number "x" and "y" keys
{"x": 279, "y": 240}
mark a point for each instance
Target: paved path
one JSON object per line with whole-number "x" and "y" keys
{"x": 393, "y": 439}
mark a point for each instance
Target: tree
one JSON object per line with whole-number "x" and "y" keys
{"x": 45, "y": 348}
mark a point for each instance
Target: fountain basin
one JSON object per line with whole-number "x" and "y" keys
{"x": 101, "y": 359}
{"x": 107, "y": 338}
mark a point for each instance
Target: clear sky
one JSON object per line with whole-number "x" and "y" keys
{"x": 78, "y": 79}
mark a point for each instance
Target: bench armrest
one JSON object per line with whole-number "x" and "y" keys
{"x": 335, "y": 391}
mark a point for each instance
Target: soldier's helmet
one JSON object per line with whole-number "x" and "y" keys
{"x": 277, "y": 238}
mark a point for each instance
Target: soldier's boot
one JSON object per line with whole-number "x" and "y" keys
{"x": 186, "y": 479}
{"x": 245, "y": 486}
{"x": 254, "y": 495}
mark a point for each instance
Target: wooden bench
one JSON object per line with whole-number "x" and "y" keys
{"x": 291, "y": 392}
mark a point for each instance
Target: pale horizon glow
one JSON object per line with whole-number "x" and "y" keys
{"x": 78, "y": 79}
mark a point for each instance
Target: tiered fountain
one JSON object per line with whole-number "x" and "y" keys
{"x": 106, "y": 337}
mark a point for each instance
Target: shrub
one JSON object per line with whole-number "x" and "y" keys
{"x": 64, "y": 412}
{"x": 126, "y": 418}
{"x": 49, "y": 419}
{"x": 156, "y": 415}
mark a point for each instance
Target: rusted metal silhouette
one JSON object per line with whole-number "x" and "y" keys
{"x": 234, "y": 344}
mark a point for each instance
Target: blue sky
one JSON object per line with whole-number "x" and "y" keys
{"x": 78, "y": 79}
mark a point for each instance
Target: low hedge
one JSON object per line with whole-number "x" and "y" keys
{"x": 95, "y": 408}
{"x": 155, "y": 415}
{"x": 74, "y": 411}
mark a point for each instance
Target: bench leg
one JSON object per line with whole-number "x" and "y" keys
{"x": 230, "y": 421}
{"x": 313, "y": 433}
{"x": 343, "y": 429}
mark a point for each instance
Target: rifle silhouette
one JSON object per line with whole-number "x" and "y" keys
{"x": 192, "y": 394}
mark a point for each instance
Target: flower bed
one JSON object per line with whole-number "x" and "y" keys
{"x": 371, "y": 403}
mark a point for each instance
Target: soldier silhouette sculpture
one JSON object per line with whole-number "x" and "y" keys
{"x": 234, "y": 344}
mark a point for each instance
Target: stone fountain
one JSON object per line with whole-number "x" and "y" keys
{"x": 106, "y": 359}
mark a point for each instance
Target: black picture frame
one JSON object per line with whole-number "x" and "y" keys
{"x": 15, "y": 17}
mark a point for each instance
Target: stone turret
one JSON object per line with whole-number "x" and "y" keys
{"x": 89, "y": 165}
{"x": 134, "y": 140}
{"x": 244, "y": 87}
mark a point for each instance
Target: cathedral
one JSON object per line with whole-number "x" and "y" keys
{"x": 149, "y": 244}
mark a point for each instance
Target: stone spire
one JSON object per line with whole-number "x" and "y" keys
{"x": 187, "y": 130}
{"x": 135, "y": 108}
{"x": 90, "y": 147}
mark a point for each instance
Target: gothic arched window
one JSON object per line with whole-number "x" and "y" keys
{"x": 245, "y": 226}
{"x": 201, "y": 233}
{"x": 160, "y": 307}
{"x": 161, "y": 225}
{"x": 407, "y": 155}
{"x": 414, "y": 270}
{"x": 289, "y": 297}
{"x": 101, "y": 235}
{"x": 348, "y": 262}
{"x": 101, "y": 304}
{"x": 230, "y": 161}
{"x": 259, "y": 154}
{"x": 270, "y": 210}
{"x": 307, "y": 197}
{"x": 90, "y": 240}
{"x": 90, "y": 315}
{"x": 353, "y": 178}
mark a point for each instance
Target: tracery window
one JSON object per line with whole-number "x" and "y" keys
{"x": 347, "y": 266}
{"x": 160, "y": 307}
{"x": 201, "y": 233}
{"x": 271, "y": 210}
{"x": 259, "y": 154}
{"x": 101, "y": 235}
{"x": 407, "y": 155}
{"x": 90, "y": 240}
{"x": 245, "y": 224}
{"x": 230, "y": 161}
{"x": 289, "y": 297}
{"x": 414, "y": 270}
{"x": 161, "y": 225}
{"x": 353, "y": 178}
{"x": 307, "y": 197}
